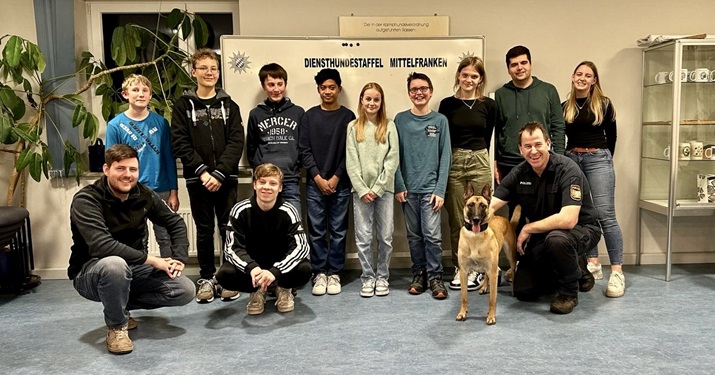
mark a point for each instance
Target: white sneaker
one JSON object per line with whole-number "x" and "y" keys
{"x": 616, "y": 285}
{"x": 473, "y": 281}
{"x": 334, "y": 284}
{"x": 320, "y": 284}
{"x": 368, "y": 289}
{"x": 382, "y": 287}
{"x": 455, "y": 283}
{"x": 596, "y": 270}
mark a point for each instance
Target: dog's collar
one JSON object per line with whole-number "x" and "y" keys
{"x": 482, "y": 226}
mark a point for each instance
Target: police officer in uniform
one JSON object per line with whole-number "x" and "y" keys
{"x": 562, "y": 222}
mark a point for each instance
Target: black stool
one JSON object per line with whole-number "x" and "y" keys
{"x": 16, "y": 258}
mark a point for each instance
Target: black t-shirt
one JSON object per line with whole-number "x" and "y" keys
{"x": 582, "y": 133}
{"x": 561, "y": 184}
{"x": 471, "y": 121}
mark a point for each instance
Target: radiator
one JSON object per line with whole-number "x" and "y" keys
{"x": 191, "y": 233}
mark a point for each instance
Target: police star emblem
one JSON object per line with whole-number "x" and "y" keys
{"x": 239, "y": 62}
{"x": 575, "y": 192}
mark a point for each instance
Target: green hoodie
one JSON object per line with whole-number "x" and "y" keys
{"x": 538, "y": 102}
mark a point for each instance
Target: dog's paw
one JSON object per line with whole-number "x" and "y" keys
{"x": 461, "y": 317}
{"x": 491, "y": 319}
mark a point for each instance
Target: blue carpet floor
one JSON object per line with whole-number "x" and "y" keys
{"x": 658, "y": 327}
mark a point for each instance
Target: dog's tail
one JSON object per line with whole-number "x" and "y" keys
{"x": 516, "y": 216}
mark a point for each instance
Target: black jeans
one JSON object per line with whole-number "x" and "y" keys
{"x": 551, "y": 261}
{"x": 206, "y": 205}
{"x": 231, "y": 278}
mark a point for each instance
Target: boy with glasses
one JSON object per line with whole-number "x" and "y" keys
{"x": 207, "y": 134}
{"x": 421, "y": 181}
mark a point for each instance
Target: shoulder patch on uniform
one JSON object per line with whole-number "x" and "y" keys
{"x": 575, "y": 192}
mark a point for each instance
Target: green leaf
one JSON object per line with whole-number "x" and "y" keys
{"x": 201, "y": 32}
{"x": 185, "y": 28}
{"x": 106, "y": 108}
{"x": 119, "y": 53}
{"x": 27, "y": 86}
{"x": 91, "y": 127}
{"x": 176, "y": 15}
{"x": 129, "y": 47}
{"x": 68, "y": 157}
{"x": 103, "y": 89}
{"x": 12, "y": 102}
{"x": 13, "y": 51}
{"x": 86, "y": 55}
{"x": 79, "y": 115}
{"x": 5, "y": 127}
{"x": 23, "y": 159}
{"x": 74, "y": 98}
{"x": 46, "y": 160}
{"x": 37, "y": 57}
{"x": 22, "y": 130}
{"x": 35, "y": 166}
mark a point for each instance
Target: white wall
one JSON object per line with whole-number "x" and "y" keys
{"x": 560, "y": 33}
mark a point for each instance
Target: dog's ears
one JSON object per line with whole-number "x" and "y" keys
{"x": 468, "y": 191}
{"x": 487, "y": 192}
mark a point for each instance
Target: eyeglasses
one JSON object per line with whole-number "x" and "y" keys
{"x": 204, "y": 69}
{"x": 423, "y": 89}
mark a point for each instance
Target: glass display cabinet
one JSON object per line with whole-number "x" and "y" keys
{"x": 678, "y": 133}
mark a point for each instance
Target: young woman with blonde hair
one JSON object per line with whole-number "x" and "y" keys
{"x": 591, "y": 131}
{"x": 372, "y": 157}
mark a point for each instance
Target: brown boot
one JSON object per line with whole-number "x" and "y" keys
{"x": 563, "y": 304}
{"x": 118, "y": 341}
{"x": 285, "y": 302}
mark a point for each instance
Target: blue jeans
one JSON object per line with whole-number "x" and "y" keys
{"x": 424, "y": 233}
{"x": 598, "y": 168}
{"x": 121, "y": 287}
{"x": 327, "y": 227}
{"x": 379, "y": 212}
{"x": 291, "y": 193}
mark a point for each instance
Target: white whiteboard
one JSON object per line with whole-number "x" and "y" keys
{"x": 385, "y": 61}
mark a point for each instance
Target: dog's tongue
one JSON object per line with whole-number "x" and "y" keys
{"x": 475, "y": 228}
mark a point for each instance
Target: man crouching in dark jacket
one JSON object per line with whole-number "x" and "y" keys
{"x": 109, "y": 258}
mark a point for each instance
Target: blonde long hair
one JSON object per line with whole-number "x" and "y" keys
{"x": 597, "y": 102}
{"x": 381, "y": 131}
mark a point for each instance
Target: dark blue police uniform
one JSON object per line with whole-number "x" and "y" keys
{"x": 551, "y": 259}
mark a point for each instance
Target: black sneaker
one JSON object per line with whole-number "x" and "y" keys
{"x": 563, "y": 304}
{"x": 437, "y": 287}
{"x": 587, "y": 281}
{"x": 419, "y": 283}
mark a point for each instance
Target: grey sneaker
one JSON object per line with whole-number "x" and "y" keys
{"x": 368, "y": 289}
{"x": 206, "y": 290}
{"x": 118, "y": 341}
{"x": 382, "y": 287}
{"x": 229, "y": 295}
{"x": 256, "y": 303}
{"x": 320, "y": 284}
{"x": 285, "y": 302}
{"x": 334, "y": 284}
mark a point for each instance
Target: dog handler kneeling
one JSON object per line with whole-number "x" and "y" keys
{"x": 562, "y": 222}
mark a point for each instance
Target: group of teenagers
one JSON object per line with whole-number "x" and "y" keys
{"x": 423, "y": 159}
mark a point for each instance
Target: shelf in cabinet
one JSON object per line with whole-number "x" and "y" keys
{"x": 683, "y": 122}
{"x": 683, "y": 207}
{"x": 668, "y": 84}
